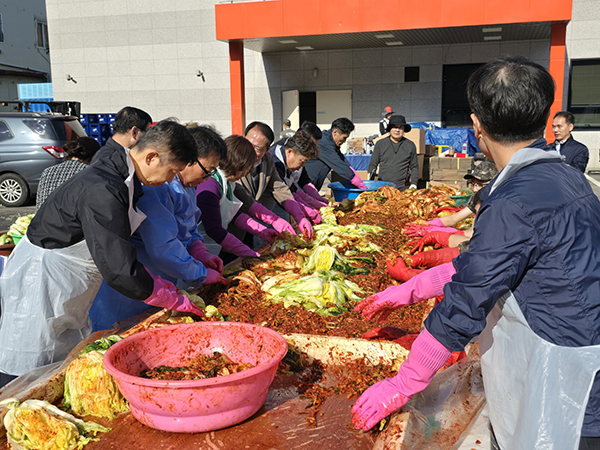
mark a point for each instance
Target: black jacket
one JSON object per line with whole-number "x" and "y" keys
{"x": 576, "y": 154}
{"x": 93, "y": 205}
{"x": 331, "y": 158}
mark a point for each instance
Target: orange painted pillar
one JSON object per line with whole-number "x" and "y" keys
{"x": 236, "y": 81}
{"x": 557, "y": 70}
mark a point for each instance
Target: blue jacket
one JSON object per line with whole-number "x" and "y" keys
{"x": 330, "y": 158}
{"x": 537, "y": 235}
{"x": 162, "y": 242}
{"x": 576, "y": 154}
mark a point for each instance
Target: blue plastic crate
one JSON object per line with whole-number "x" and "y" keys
{"x": 94, "y": 129}
{"x": 103, "y": 118}
{"x": 83, "y": 119}
{"x": 111, "y": 118}
{"x": 92, "y": 118}
{"x": 345, "y": 189}
{"x": 104, "y": 128}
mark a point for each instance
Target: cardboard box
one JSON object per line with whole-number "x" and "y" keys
{"x": 459, "y": 184}
{"x": 431, "y": 150}
{"x": 424, "y": 170}
{"x": 417, "y": 136}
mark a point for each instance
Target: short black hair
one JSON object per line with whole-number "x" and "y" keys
{"x": 301, "y": 142}
{"x": 130, "y": 117}
{"x": 208, "y": 139}
{"x": 172, "y": 141}
{"x": 83, "y": 149}
{"x": 569, "y": 118}
{"x": 264, "y": 129}
{"x": 312, "y": 129}
{"x": 343, "y": 125}
{"x": 511, "y": 97}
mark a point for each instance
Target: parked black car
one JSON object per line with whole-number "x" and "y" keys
{"x": 29, "y": 143}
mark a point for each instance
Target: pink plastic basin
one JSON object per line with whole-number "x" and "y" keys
{"x": 196, "y": 405}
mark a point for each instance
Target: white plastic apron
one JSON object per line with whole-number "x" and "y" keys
{"x": 46, "y": 295}
{"x": 229, "y": 205}
{"x": 537, "y": 392}
{"x": 293, "y": 177}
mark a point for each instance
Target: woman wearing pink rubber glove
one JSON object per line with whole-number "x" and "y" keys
{"x": 166, "y": 295}
{"x": 199, "y": 252}
{"x": 428, "y": 284}
{"x": 426, "y": 357}
{"x": 220, "y": 207}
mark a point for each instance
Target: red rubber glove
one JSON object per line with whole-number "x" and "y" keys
{"x": 434, "y": 257}
{"x": 292, "y": 207}
{"x": 311, "y": 190}
{"x": 399, "y": 271}
{"x": 166, "y": 295}
{"x": 199, "y": 252}
{"x": 261, "y": 213}
{"x": 447, "y": 208}
{"x": 356, "y": 181}
{"x": 427, "y": 356}
{"x": 434, "y": 238}
{"x": 426, "y": 285}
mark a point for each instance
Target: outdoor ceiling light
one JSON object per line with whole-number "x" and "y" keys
{"x": 289, "y": 41}
{"x": 492, "y": 38}
{"x": 385, "y": 36}
{"x": 492, "y": 30}
{"x": 305, "y": 47}
{"x": 394, "y": 43}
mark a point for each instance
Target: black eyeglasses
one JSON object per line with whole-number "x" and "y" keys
{"x": 208, "y": 174}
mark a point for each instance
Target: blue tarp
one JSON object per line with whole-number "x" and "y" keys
{"x": 453, "y": 137}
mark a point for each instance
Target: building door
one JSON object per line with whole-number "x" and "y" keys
{"x": 455, "y": 106}
{"x": 332, "y": 105}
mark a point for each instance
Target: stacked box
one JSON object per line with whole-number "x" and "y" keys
{"x": 355, "y": 145}
{"x": 449, "y": 170}
{"x": 417, "y": 136}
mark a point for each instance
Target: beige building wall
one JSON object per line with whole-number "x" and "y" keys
{"x": 147, "y": 53}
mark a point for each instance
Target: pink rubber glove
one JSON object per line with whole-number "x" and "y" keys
{"x": 308, "y": 200}
{"x": 214, "y": 277}
{"x": 356, "y": 181}
{"x": 248, "y": 224}
{"x": 292, "y": 207}
{"x": 308, "y": 211}
{"x": 421, "y": 230}
{"x": 237, "y": 247}
{"x": 311, "y": 190}
{"x": 426, "y": 357}
{"x": 261, "y": 213}
{"x": 426, "y": 285}
{"x": 437, "y": 222}
{"x": 165, "y": 295}
{"x": 199, "y": 252}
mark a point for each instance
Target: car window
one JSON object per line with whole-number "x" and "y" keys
{"x": 41, "y": 127}
{"x": 5, "y": 133}
{"x": 68, "y": 130}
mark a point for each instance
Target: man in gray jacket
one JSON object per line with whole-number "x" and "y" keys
{"x": 396, "y": 156}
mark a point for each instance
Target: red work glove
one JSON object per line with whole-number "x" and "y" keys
{"x": 434, "y": 238}
{"x": 434, "y": 257}
{"x": 199, "y": 252}
{"x": 399, "y": 271}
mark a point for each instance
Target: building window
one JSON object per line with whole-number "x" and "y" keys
{"x": 42, "y": 34}
{"x": 584, "y": 93}
{"x": 5, "y": 133}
